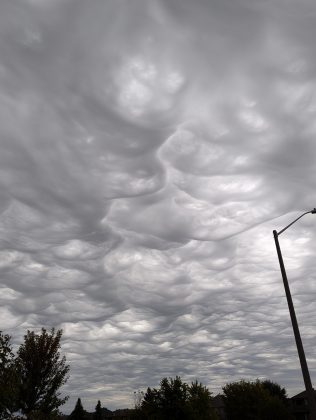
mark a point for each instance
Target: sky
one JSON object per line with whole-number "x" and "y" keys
{"x": 148, "y": 150}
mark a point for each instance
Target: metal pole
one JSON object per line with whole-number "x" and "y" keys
{"x": 298, "y": 340}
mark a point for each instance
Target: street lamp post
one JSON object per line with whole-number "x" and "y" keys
{"x": 298, "y": 340}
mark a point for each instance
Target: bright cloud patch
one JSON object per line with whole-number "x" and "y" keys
{"x": 145, "y": 86}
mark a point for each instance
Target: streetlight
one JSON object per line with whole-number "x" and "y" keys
{"x": 298, "y": 340}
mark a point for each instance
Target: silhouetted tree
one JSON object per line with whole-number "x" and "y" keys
{"x": 176, "y": 400}
{"x": 200, "y": 402}
{"x": 274, "y": 389}
{"x": 138, "y": 398}
{"x": 245, "y": 400}
{"x": 78, "y": 413}
{"x": 172, "y": 395}
{"x": 42, "y": 371}
{"x": 8, "y": 378}
{"x": 98, "y": 412}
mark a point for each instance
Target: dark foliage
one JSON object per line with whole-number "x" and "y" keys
{"x": 97, "y": 415}
{"x": 246, "y": 400}
{"x": 274, "y": 389}
{"x": 8, "y": 378}
{"x": 42, "y": 371}
{"x": 199, "y": 402}
{"x": 78, "y": 413}
{"x": 176, "y": 400}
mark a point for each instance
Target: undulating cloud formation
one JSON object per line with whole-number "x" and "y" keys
{"x": 148, "y": 150}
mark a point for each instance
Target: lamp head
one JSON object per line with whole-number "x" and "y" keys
{"x": 313, "y": 211}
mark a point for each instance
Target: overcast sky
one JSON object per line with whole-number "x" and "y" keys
{"x": 148, "y": 150}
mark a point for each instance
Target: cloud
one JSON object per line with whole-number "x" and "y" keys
{"x": 147, "y": 152}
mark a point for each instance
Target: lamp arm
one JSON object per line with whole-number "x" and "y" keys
{"x": 292, "y": 223}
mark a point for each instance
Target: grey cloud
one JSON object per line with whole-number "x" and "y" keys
{"x": 147, "y": 152}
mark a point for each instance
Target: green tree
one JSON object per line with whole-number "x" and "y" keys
{"x": 247, "y": 400}
{"x": 78, "y": 413}
{"x": 98, "y": 412}
{"x": 8, "y": 378}
{"x": 42, "y": 371}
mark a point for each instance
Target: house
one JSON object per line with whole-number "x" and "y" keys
{"x": 299, "y": 406}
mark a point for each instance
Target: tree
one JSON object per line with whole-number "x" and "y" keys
{"x": 42, "y": 371}
{"x": 166, "y": 402}
{"x": 98, "y": 412}
{"x": 247, "y": 400}
{"x": 138, "y": 398}
{"x": 274, "y": 389}
{"x": 8, "y": 378}
{"x": 78, "y": 413}
{"x": 173, "y": 394}
{"x": 176, "y": 400}
{"x": 200, "y": 402}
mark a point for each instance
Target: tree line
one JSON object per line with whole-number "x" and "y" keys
{"x": 30, "y": 383}
{"x": 242, "y": 400}
{"x": 177, "y": 400}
